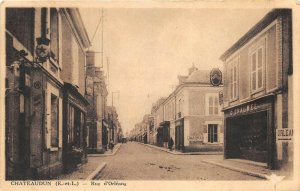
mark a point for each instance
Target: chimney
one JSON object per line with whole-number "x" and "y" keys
{"x": 182, "y": 79}
{"x": 192, "y": 69}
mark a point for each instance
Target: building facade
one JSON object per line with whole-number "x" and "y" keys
{"x": 158, "y": 113}
{"x": 113, "y": 124}
{"x": 38, "y": 64}
{"x": 191, "y": 114}
{"x": 257, "y": 92}
{"x": 96, "y": 93}
{"x": 194, "y": 113}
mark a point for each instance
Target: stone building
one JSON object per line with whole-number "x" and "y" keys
{"x": 192, "y": 114}
{"x": 258, "y": 98}
{"x": 42, "y": 62}
{"x": 96, "y": 94}
{"x": 158, "y": 113}
{"x": 113, "y": 124}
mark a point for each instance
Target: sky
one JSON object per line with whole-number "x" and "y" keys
{"x": 145, "y": 49}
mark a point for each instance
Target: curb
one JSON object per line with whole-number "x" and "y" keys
{"x": 247, "y": 172}
{"x": 179, "y": 153}
{"x": 104, "y": 155}
{"x": 96, "y": 172}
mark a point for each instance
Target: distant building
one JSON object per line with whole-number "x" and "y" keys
{"x": 160, "y": 136}
{"x": 113, "y": 123}
{"x": 96, "y": 93}
{"x": 191, "y": 114}
{"x": 258, "y": 92}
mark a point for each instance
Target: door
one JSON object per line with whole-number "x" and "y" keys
{"x": 179, "y": 138}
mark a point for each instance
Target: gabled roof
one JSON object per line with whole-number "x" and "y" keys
{"x": 199, "y": 76}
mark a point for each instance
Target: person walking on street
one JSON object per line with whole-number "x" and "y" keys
{"x": 170, "y": 143}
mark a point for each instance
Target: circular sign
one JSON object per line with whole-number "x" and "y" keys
{"x": 42, "y": 52}
{"x": 37, "y": 85}
{"x": 215, "y": 77}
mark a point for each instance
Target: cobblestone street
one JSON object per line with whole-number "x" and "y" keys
{"x": 134, "y": 161}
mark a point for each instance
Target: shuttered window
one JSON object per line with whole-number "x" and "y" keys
{"x": 257, "y": 62}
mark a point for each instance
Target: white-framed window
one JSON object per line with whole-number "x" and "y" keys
{"x": 212, "y": 131}
{"x": 257, "y": 63}
{"x": 53, "y": 133}
{"x": 234, "y": 80}
{"x": 212, "y": 104}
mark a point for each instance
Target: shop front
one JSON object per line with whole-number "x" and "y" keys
{"x": 163, "y": 134}
{"x": 179, "y": 134}
{"x": 250, "y": 131}
{"x": 74, "y": 132}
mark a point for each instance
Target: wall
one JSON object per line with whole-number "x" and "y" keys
{"x": 271, "y": 73}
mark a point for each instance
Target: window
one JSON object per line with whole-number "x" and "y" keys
{"x": 54, "y": 121}
{"x": 212, "y": 133}
{"x": 54, "y": 34}
{"x": 234, "y": 80}
{"x": 257, "y": 69}
{"x": 212, "y": 104}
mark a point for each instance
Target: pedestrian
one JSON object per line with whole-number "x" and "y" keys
{"x": 111, "y": 145}
{"x": 170, "y": 143}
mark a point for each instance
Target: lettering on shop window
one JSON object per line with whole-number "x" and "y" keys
{"x": 243, "y": 109}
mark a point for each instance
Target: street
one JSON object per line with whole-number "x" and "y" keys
{"x": 135, "y": 161}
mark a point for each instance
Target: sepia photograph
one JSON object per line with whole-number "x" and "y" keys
{"x": 104, "y": 96}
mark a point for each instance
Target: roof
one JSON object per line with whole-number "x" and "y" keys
{"x": 199, "y": 76}
{"x": 74, "y": 91}
{"x": 264, "y": 22}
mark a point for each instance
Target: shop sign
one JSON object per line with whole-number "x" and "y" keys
{"x": 215, "y": 77}
{"x": 243, "y": 109}
{"x": 284, "y": 135}
{"x": 195, "y": 138}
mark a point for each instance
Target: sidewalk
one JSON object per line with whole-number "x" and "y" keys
{"x": 108, "y": 152}
{"x": 87, "y": 171}
{"x": 180, "y": 153}
{"x": 251, "y": 168}
{"x": 90, "y": 169}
